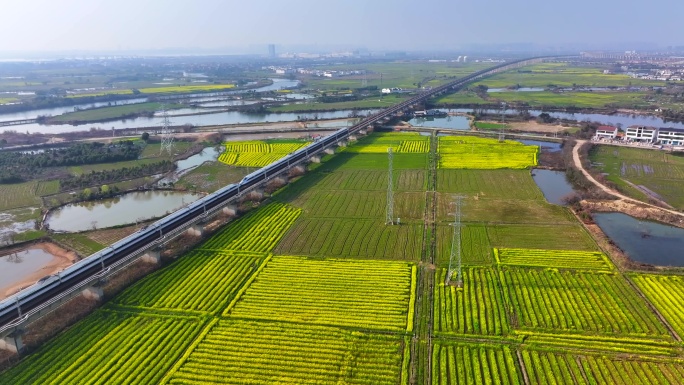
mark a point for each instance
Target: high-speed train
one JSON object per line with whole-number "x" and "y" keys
{"x": 30, "y": 298}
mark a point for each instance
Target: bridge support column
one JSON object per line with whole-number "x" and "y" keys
{"x": 352, "y": 138}
{"x": 196, "y": 230}
{"x": 315, "y": 159}
{"x": 362, "y": 132}
{"x": 13, "y": 342}
{"x": 342, "y": 143}
{"x": 152, "y": 256}
{"x": 230, "y": 210}
{"x": 94, "y": 292}
{"x": 329, "y": 151}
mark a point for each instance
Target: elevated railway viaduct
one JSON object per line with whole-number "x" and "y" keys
{"x": 85, "y": 277}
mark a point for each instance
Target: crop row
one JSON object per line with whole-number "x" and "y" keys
{"x": 476, "y": 308}
{"x": 248, "y": 352}
{"x": 667, "y": 295}
{"x": 370, "y": 180}
{"x": 107, "y": 348}
{"x": 353, "y": 238}
{"x": 490, "y": 184}
{"x": 406, "y": 146}
{"x": 576, "y": 301}
{"x": 414, "y": 146}
{"x": 561, "y": 259}
{"x": 481, "y": 153}
{"x": 560, "y": 368}
{"x": 255, "y": 159}
{"x": 654, "y": 346}
{"x": 475, "y": 246}
{"x": 361, "y": 204}
{"x": 201, "y": 280}
{"x": 258, "y": 231}
{"x": 473, "y": 364}
{"x": 362, "y": 294}
{"x": 256, "y": 153}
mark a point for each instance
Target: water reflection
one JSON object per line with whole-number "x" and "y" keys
{"x": 643, "y": 241}
{"x": 129, "y": 208}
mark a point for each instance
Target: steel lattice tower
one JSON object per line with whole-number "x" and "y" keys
{"x": 389, "y": 219}
{"x": 456, "y": 246}
{"x": 166, "y": 133}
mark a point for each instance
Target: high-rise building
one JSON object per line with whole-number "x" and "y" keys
{"x": 271, "y": 50}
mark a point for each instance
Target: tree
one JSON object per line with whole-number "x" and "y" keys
{"x": 145, "y": 136}
{"x": 3, "y": 142}
{"x": 87, "y": 193}
{"x": 104, "y": 190}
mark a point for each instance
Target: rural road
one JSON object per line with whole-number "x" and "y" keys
{"x": 578, "y": 164}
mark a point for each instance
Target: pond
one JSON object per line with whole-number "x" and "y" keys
{"x": 16, "y": 268}
{"x": 125, "y": 209}
{"x": 452, "y": 122}
{"x": 544, "y": 145}
{"x": 553, "y": 185}
{"x": 208, "y": 154}
{"x": 644, "y": 241}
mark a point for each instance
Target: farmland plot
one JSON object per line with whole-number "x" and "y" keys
{"x": 360, "y": 294}
{"x": 251, "y": 352}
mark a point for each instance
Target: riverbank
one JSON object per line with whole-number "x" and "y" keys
{"x": 61, "y": 258}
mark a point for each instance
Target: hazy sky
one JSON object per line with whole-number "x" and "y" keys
{"x": 111, "y": 25}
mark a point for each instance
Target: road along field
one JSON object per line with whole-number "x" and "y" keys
{"x": 313, "y": 287}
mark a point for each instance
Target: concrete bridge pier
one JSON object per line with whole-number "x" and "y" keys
{"x": 152, "y": 256}
{"x": 315, "y": 159}
{"x": 329, "y": 151}
{"x": 352, "y": 138}
{"x": 13, "y": 342}
{"x": 342, "y": 143}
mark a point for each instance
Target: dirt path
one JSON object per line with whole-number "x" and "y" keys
{"x": 578, "y": 164}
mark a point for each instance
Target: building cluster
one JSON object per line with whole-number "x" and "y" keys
{"x": 643, "y": 134}
{"x": 666, "y": 75}
{"x": 313, "y": 72}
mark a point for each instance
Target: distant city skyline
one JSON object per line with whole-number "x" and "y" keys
{"x": 234, "y": 27}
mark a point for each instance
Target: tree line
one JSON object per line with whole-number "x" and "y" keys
{"x": 22, "y": 166}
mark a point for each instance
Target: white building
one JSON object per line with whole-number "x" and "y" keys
{"x": 606, "y": 132}
{"x": 672, "y": 136}
{"x": 641, "y": 134}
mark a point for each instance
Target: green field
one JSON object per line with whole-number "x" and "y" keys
{"x": 394, "y": 74}
{"x": 313, "y": 287}
{"x": 25, "y": 194}
{"x": 636, "y": 100}
{"x": 112, "y": 113}
{"x": 562, "y": 75}
{"x": 658, "y": 171}
{"x": 372, "y": 102}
